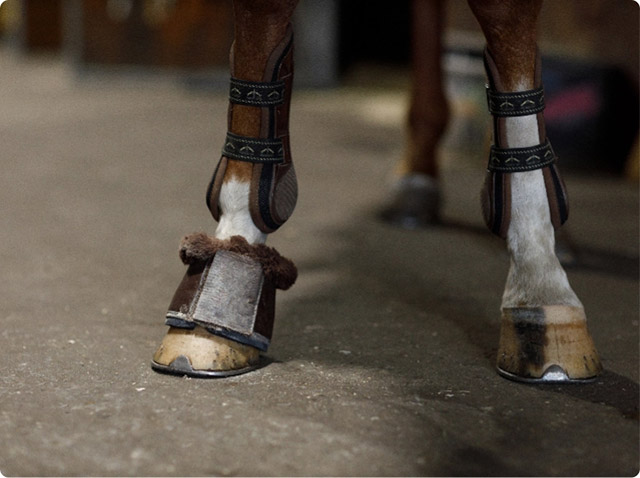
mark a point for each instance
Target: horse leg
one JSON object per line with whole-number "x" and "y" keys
{"x": 222, "y": 313}
{"x": 544, "y": 335}
{"x": 416, "y": 196}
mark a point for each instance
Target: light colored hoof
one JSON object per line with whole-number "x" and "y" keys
{"x": 547, "y": 344}
{"x": 198, "y": 353}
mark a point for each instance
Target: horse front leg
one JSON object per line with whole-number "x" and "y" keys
{"x": 221, "y": 316}
{"x": 544, "y": 333}
{"x": 415, "y": 198}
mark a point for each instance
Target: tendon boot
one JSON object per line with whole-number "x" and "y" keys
{"x": 538, "y": 342}
{"x": 274, "y": 187}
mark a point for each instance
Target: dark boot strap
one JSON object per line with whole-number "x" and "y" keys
{"x": 517, "y": 160}
{"x": 520, "y": 103}
{"x": 253, "y": 150}
{"x": 255, "y": 93}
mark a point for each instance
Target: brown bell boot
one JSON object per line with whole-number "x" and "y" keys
{"x": 221, "y": 316}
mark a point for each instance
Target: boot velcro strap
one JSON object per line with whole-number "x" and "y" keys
{"x": 520, "y": 103}
{"x": 226, "y": 301}
{"x": 255, "y": 93}
{"x": 253, "y": 150}
{"x": 516, "y": 160}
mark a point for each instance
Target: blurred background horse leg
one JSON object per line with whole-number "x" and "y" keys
{"x": 415, "y": 200}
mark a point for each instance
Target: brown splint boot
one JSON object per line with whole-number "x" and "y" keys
{"x": 547, "y": 344}
{"x": 221, "y": 316}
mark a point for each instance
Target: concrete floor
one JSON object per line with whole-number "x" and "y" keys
{"x": 382, "y": 360}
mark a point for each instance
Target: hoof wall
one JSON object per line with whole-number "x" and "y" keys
{"x": 548, "y": 344}
{"x": 198, "y": 353}
{"x": 553, "y": 374}
{"x": 182, "y": 366}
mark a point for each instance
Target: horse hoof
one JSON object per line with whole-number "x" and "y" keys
{"x": 198, "y": 353}
{"x": 549, "y": 344}
{"x": 415, "y": 202}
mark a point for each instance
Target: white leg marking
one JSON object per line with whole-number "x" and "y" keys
{"x": 535, "y": 277}
{"x": 235, "y": 218}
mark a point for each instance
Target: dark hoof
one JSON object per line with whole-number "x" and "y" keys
{"x": 415, "y": 202}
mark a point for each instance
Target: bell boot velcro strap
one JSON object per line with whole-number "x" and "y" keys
{"x": 254, "y": 93}
{"x": 516, "y": 160}
{"x": 229, "y": 297}
{"x": 521, "y": 103}
{"x": 253, "y": 150}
